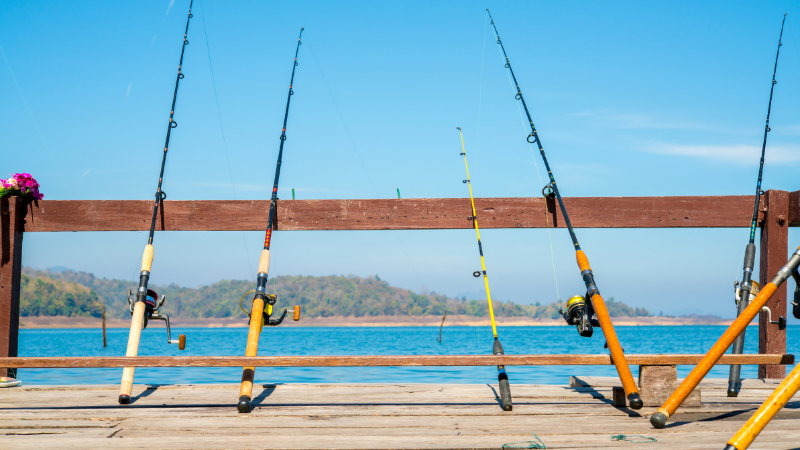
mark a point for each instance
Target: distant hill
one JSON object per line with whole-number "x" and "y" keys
{"x": 324, "y": 296}
{"x": 46, "y": 296}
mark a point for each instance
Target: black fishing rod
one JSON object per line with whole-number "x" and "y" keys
{"x": 145, "y": 303}
{"x": 592, "y": 298}
{"x": 745, "y": 289}
{"x": 263, "y": 302}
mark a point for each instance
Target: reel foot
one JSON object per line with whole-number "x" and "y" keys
{"x": 733, "y": 388}
{"x": 124, "y": 399}
{"x": 244, "y": 404}
{"x": 658, "y": 420}
{"x": 635, "y": 401}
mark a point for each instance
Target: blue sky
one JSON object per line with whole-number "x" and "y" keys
{"x": 630, "y": 98}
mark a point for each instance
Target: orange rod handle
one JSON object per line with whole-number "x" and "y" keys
{"x": 774, "y": 403}
{"x": 720, "y": 347}
{"x": 248, "y": 373}
{"x": 614, "y": 346}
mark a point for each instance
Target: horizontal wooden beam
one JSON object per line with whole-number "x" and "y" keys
{"x": 376, "y": 361}
{"x": 391, "y": 214}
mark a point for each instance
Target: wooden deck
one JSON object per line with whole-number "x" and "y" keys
{"x": 372, "y": 416}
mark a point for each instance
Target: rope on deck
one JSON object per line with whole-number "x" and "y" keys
{"x": 626, "y": 437}
{"x": 527, "y": 444}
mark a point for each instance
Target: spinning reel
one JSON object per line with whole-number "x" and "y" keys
{"x": 152, "y": 304}
{"x": 755, "y": 288}
{"x": 581, "y": 314}
{"x": 269, "y": 302}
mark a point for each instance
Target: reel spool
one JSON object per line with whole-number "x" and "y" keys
{"x": 755, "y": 288}
{"x": 151, "y": 306}
{"x": 579, "y": 313}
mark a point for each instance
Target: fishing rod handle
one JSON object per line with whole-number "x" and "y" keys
{"x": 263, "y": 262}
{"x": 147, "y": 257}
{"x": 697, "y": 374}
{"x": 502, "y": 378}
{"x": 774, "y": 403}
{"x": 133, "y": 350}
{"x": 614, "y": 347}
{"x": 248, "y": 373}
{"x": 617, "y": 354}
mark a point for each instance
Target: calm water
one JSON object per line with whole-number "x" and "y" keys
{"x": 365, "y": 341}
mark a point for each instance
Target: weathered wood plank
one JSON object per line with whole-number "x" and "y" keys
{"x": 794, "y": 209}
{"x": 375, "y": 361}
{"x": 11, "y": 213}
{"x": 390, "y": 214}
{"x": 774, "y": 253}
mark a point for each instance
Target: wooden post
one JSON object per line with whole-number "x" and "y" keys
{"x": 104, "y": 326}
{"x": 12, "y": 211}
{"x": 774, "y": 253}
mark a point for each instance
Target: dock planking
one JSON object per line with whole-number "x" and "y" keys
{"x": 328, "y": 416}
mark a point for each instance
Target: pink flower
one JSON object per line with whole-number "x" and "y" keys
{"x": 11, "y": 183}
{"x": 24, "y": 184}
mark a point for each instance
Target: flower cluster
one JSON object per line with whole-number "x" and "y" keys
{"x": 22, "y": 184}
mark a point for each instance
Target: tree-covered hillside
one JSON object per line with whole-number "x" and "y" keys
{"x": 324, "y": 296}
{"x": 45, "y": 296}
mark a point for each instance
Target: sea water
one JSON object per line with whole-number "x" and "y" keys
{"x": 291, "y": 341}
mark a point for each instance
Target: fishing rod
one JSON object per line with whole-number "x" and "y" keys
{"x": 592, "y": 298}
{"x": 659, "y": 419}
{"x": 745, "y": 290}
{"x": 766, "y": 412}
{"x": 497, "y": 348}
{"x": 261, "y": 310}
{"x": 144, "y": 305}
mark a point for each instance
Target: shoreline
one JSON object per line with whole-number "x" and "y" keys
{"x": 53, "y": 322}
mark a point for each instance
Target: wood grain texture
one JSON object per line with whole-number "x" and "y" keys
{"x": 794, "y": 209}
{"x": 774, "y": 254}
{"x": 389, "y": 214}
{"x": 392, "y": 416}
{"x": 375, "y": 361}
{"x": 11, "y": 213}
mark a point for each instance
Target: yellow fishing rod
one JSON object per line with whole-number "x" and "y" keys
{"x": 776, "y": 401}
{"x": 502, "y": 377}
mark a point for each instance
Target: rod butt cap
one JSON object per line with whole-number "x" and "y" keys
{"x": 733, "y": 388}
{"x": 124, "y": 399}
{"x": 635, "y": 400}
{"x": 730, "y": 447}
{"x": 658, "y": 420}
{"x": 244, "y": 404}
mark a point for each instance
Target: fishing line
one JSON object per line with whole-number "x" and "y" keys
{"x": 355, "y": 148}
{"x": 222, "y": 130}
{"x": 35, "y": 124}
{"x": 480, "y": 85}
{"x": 46, "y": 147}
{"x": 538, "y": 175}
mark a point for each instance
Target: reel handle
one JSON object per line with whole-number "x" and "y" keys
{"x": 296, "y": 316}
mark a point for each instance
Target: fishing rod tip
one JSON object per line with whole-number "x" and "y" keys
{"x": 458, "y": 128}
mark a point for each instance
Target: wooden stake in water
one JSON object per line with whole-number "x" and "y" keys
{"x": 104, "y": 326}
{"x": 440, "y": 327}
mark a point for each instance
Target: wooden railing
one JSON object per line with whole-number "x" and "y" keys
{"x": 779, "y": 211}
